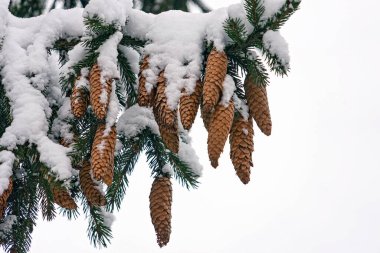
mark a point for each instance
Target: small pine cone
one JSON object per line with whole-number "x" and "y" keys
{"x": 241, "y": 147}
{"x": 160, "y": 209}
{"x": 218, "y": 131}
{"x": 258, "y": 105}
{"x": 63, "y": 198}
{"x": 99, "y": 93}
{"x": 188, "y": 106}
{"x": 102, "y": 154}
{"x": 170, "y": 137}
{"x": 144, "y": 98}
{"x": 4, "y": 197}
{"x": 216, "y": 70}
{"x": 163, "y": 114}
{"x": 89, "y": 187}
{"x": 79, "y": 101}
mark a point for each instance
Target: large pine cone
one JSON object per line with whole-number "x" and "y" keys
{"x": 160, "y": 209}
{"x": 216, "y": 71}
{"x": 4, "y": 197}
{"x": 99, "y": 93}
{"x": 241, "y": 147}
{"x": 218, "y": 131}
{"x": 79, "y": 101}
{"x": 163, "y": 114}
{"x": 89, "y": 187}
{"x": 144, "y": 98}
{"x": 63, "y": 198}
{"x": 188, "y": 106}
{"x": 258, "y": 105}
{"x": 170, "y": 137}
{"x": 102, "y": 154}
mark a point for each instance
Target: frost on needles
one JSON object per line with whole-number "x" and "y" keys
{"x": 84, "y": 91}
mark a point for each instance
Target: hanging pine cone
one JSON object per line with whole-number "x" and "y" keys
{"x": 170, "y": 137}
{"x": 160, "y": 208}
{"x": 102, "y": 154}
{"x": 206, "y": 117}
{"x": 79, "y": 101}
{"x": 188, "y": 106}
{"x": 241, "y": 147}
{"x": 216, "y": 71}
{"x": 63, "y": 198}
{"x": 89, "y": 187}
{"x": 218, "y": 131}
{"x": 144, "y": 98}
{"x": 99, "y": 93}
{"x": 258, "y": 105}
{"x": 163, "y": 114}
{"x": 4, "y": 198}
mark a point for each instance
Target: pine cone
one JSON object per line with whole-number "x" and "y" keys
{"x": 163, "y": 114}
{"x": 99, "y": 93}
{"x": 102, "y": 154}
{"x": 89, "y": 187}
{"x": 206, "y": 117}
{"x": 63, "y": 198}
{"x": 216, "y": 71}
{"x": 4, "y": 198}
{"x": 188, "y": 106}
{"x": 170, "y": 137}
{"x": 144, "y": 98}
{"x": 241, "y": 147}
{"x": 258, "y": 105}
{"x": 160, "y": 209}
{"x": 79, "y": 101}
{"x": 218, "y": 131}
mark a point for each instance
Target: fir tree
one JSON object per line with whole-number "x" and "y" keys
{"x": 87, "y": 128}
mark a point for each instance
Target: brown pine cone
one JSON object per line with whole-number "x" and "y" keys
{"x": 99, "y": 93}
{"x": 218, "y": 131}
{"x": 89, "y": 187}
{"x": 188, "y": 106}
{"x": 162, "y": 113}
{"x": 216, "y": 70}
{"x": 4, "y": 197}
{"x": 170, "y": 137}
{"x": 79, "y": 101}
{"x": 241, "y": 147}
{"x": 258, "y": 105}
{"x": 144, "y": 98}
{"x": 206, "y": 117}
{"x": 63, "y": 198}
{"x": 160, "y": 208}
{"x": 102, "y": 154}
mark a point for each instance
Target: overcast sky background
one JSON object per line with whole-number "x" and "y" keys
{"x": 315, "y": 185}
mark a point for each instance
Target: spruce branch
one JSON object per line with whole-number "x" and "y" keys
{"x": 282, "y": 15}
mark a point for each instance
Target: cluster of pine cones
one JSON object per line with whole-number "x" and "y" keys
{"x": 220, "y": 121}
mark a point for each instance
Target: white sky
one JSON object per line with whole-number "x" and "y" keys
{"x": 315, "y": 184}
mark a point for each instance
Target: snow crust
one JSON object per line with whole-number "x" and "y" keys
{"x": 135, "y": 119}
{"x": 228, "y": 90}
{"x": 6, "y": 163}
{"x": 276, "y": 44}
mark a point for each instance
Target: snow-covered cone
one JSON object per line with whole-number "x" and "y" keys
{"x": 63, "y": 198}
{"x": 188, "y": 106}
{"x": 102, "y": 154}
{"x": 241, "y": 147}
{"x": 89, "y": 187}
{"x": 218, "y": 131}
{"x": 258, "y": 105}
{"x": 144, "y": 98}
{"x": 162, "y": 112}
{"x": 170, "y": 137}
{"x": 4, "y": 197}
{"x": 160, "y": 209}
{"x": 216, "y": 71}
{"x": 79, "y": 101}
{"x": 99, "y": 92}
